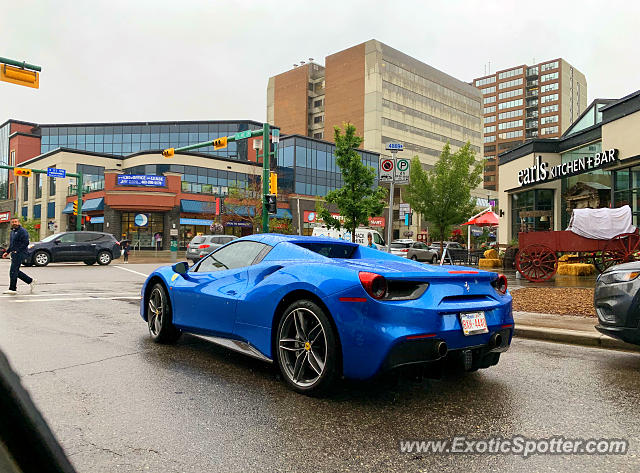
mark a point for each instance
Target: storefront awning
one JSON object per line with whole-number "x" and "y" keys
{"x": 68, "y": 209}
{"x": 97, "y": 220}
{"x": 91, "y": 205}
{"x": 196, "y": 206}
{"x": 283, "y": 213}
{"x": 195, "y": 221}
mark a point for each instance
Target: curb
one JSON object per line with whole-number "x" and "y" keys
{"x": 573, "y": 337}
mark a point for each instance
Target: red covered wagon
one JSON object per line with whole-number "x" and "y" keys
{"x": 604, "y": 237}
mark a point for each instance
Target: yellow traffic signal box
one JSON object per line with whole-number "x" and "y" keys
{"x": 273, "y": 183}
{"x": 25, "y": 172}
{"x": 220, "y": 143}
{"x": 19, "y": 76}
{"x": 75, "y": 207}
{"x": 168, "y": 153}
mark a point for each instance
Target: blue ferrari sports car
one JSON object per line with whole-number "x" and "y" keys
{"x": 322, "y": 308}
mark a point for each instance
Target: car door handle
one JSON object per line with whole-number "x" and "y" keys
{"x": 231, "y": 292}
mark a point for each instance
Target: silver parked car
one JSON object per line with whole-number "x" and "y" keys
{"x": 616, "y": 301}
{"x": 201, "y": 246}
{"x": 419, "y": 251}
{"x": 401, "y": 247}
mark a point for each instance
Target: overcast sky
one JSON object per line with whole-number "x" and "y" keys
{"x": 156, "y": 60}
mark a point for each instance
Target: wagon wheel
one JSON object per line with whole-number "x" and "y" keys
{"x": 537, "y": 263}
{"x": 597, "y": 261}
{"x": 623, "y": 248}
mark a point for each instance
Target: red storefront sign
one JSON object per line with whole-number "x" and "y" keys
{"x": 313, "y": 217}
{"x": 5, "y": 217}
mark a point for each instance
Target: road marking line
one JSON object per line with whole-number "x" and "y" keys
{"x": 63, "y": 294}
{"x": 76, "y": 299}
{"x": 131, "y": 271}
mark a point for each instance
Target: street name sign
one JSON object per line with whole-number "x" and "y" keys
{"x": 55, "y": 172}
{"x": 395, "y": 146}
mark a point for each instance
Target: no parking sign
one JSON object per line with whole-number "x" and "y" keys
{"x": 387, "y": 166}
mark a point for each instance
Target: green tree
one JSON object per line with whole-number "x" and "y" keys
{"x": 30, "y": 227}
{"x": 357, "y": 199}
{"x": 443, "y": 195}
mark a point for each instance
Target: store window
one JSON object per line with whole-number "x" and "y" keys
{"x": 142, "y": 229}
{"x": 627, "y": 190}
{"x": 587, "y": 190}
{"x": 531, "y": 211}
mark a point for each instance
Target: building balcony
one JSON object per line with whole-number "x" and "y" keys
{"x": 531, "y": 124}
{"x": 532, "y": 114}
{"x": 532, "y": 104}
{"x": 532, "y": 134}
{"x": 91, "y": 187}
{"x": 532, "y": 72}
{"x": 532, "y": 83}
{"x": 532, "y": 93}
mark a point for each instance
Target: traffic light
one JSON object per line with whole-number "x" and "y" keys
{"x": 220, "y": 143}
{"x": 273, "y": 183}
{"x": 75, "y": 207}
{"x": 24, "y": 172}
{"x": 19, "y": 76}
{"x": 168, "y": 153}
{"x": 272, "y": 204}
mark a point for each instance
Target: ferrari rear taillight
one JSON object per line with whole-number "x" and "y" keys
{"x": 500, "y": 284}
{"x": 374, "y": 284}
{"x": 204, "y": 246}
{"x": 404, "y": 250}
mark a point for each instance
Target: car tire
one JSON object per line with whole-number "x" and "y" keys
{"x": 307, "y": 369}
{"x": 434, "y": 260}
{"x": 159, "y": 316}
{"x": 104, "y": 258}
{"x": 414, "y": 258}
{"x": 89, "y": 262}
{"x": 41, "y": 258}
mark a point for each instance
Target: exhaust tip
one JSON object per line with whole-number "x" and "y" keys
{"x": 495, "y": 341}
{"x": 441, "y": 349}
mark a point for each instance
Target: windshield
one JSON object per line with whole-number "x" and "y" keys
{"x": 51, "y": 237}
{"x": 197, "y": 240}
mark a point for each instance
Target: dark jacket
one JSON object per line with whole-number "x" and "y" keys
{"x": 19, "y": 241}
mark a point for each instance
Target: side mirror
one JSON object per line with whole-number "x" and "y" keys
{"x": 180, "y": 268}
{"x": 56, "y": 241}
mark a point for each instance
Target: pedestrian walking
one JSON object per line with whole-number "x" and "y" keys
{"x": 18, "y": 244}
{"x": 125, "y": 250}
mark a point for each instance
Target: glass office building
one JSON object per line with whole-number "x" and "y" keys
{"x": 128, "y": 138}
{"x": 308, "y": 167}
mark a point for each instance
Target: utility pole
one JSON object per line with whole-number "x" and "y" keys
{"x": 26, "y": 172}
{"x": 221, "y": 142}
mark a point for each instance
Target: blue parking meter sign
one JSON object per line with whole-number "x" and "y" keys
{"x": 55, "y": 172}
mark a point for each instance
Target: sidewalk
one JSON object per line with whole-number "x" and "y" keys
{"x": 151, "y": 256}
{"x": 571, "y": 329}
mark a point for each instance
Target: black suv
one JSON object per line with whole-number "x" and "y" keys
{"x": 90, "y": 247}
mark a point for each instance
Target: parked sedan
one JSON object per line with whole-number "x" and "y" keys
{"x": 202, "y": 245}
{"x": 617, "y": 302}
{"x": 401, "y": 247}
{"x": 323, "y": 309}
{"x": 419, "y": 251}
{"x": 90, "y": 247}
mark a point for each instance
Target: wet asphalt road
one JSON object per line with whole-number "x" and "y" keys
{"x": 119, "y": 403}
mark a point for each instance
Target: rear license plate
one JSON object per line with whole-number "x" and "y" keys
{"x": 473, "y": 323}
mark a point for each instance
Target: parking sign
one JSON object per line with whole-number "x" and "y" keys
{"x": 401, "y": 175}
{"x": 386, "y": 170}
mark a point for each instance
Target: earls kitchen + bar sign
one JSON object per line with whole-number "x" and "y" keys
{"x": 542, "y": 172}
